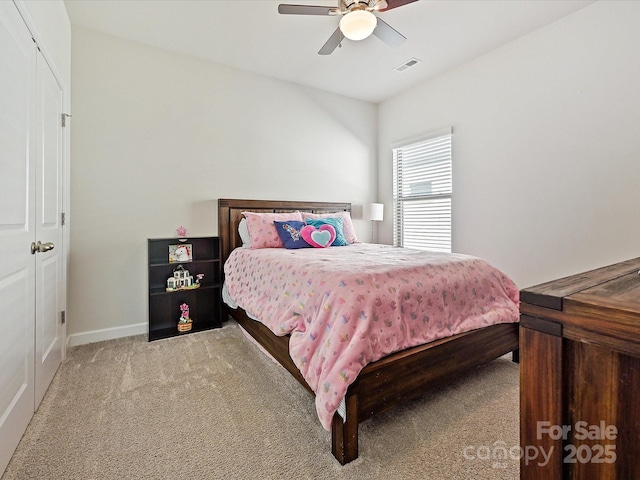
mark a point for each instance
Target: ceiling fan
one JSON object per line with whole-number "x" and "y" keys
{"x": 357, "y": 22}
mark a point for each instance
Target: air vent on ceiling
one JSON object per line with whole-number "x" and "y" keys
{"x": 409, "y": 63}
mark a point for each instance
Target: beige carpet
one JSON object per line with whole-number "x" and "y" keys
{"x": 212, "y": 406}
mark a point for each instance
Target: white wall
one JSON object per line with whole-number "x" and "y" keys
{"x": 158, "y": 137}
{"x": 545, "y": 147}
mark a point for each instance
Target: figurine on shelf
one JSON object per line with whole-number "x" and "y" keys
{"x": 184, "y": 323}
{"x": 182, "y": 280}
{"x": 181, "y": 231}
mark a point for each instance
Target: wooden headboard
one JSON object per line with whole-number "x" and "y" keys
{"x": 230, "y": 214}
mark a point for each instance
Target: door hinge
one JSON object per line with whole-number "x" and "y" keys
{"x": 63, "y": 317}
{"x": 63, "y": 218}
{"x": 64, "y": 119}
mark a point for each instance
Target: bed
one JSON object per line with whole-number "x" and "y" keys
{"x": 395, "y": 378}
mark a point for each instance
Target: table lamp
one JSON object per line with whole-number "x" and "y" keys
{"x": 373, "y": 212}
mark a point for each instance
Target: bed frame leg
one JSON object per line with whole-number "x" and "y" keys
{"x": 344, "y": 435}
{"x": 515, "y": 356}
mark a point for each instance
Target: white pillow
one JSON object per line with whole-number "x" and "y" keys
{"x": 243, "y": 230}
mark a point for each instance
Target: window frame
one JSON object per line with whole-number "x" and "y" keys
{"x": 442, "y": 215}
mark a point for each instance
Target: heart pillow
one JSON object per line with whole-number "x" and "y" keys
{"x": 318, "y": 237}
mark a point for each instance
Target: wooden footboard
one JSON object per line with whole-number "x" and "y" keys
{"x": 395, "y": 379}
{"x": 405, "y": 375}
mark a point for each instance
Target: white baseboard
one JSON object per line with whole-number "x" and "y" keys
{"x": 106, "y": 334}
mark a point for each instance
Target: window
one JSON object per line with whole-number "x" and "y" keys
{"x": 422, "y": 187}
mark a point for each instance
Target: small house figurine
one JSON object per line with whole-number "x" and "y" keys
{"x": 184, "y": 323}
{"x": 181, "y": 280}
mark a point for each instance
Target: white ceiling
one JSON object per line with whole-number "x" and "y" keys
{"x": 251, "y": 35}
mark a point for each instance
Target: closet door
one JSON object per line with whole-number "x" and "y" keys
{"x": 48, "y": 228}
{"x": 17, "y": 229}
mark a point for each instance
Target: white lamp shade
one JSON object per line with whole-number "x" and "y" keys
{"x": 358, "y": 25}
{"x": 373, "y": 212}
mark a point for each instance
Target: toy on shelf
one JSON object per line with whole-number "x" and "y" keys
{"x": 182, "y": 280}
{"x": 184, "y": 323}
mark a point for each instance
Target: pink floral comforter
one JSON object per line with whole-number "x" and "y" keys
{"x": 349, "y": 306}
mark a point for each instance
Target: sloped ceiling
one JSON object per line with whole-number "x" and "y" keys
{"x": 252, "y": 36}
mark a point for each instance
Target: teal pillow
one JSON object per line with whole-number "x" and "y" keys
{"x": 336, "y": 223}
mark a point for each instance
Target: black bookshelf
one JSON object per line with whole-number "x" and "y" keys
{"x": 204, "y": 302}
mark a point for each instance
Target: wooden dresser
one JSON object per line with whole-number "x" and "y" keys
{"x": 580, "y": 376}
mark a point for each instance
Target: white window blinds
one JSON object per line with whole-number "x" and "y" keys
{"x": 422, "y": 188}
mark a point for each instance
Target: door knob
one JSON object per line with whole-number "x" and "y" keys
{"x": 41, "y": 247}
{"x": 45, "y": 247}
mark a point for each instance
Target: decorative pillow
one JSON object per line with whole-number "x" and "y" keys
{"x": 318, "y": 237}
{"x": 262, "y": 231}
{"x": 289, "y": 233}
{"x": 336, "y": 223}
{"x": 243, "y": 230}
{"x": 347, "y": 224}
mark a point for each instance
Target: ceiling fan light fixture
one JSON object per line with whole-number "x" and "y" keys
{"x": 358, "y": 24}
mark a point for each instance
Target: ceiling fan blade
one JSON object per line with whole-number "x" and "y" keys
{"x": 334, "y": 40}
{"x": 388, "y": 34}
{"x": 391, "y": 4}
{"x": 307, "y": 10}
